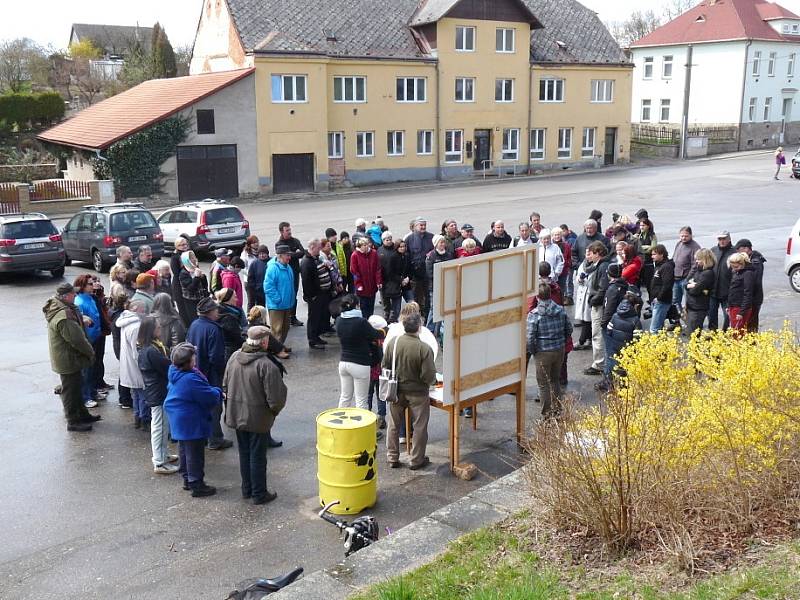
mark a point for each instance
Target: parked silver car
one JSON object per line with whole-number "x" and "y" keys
{"x": 206, "y": 224}
{"x": 30, "y": 242}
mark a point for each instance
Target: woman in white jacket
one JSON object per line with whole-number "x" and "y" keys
{"x": 129, "y": 374}
{"x": 551, "y": 253}
{"x": 583, "y": 310}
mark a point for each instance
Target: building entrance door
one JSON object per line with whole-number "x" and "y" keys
{"x": 786, "y": 116}
{"x": 483, "y": 149}
{"x": 610, "y": 146}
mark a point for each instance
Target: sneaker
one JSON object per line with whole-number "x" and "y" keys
{"x": 165, "y": 469}
{"x": 201, "y": 490}
{"x": 125, "y": 406}
{"x": 173, "y": 458}
{"x": 583, "y": 346}
{"x": 90, "y": 404}
{"x": 84, "y": 427}
{"x": 319, "y": 340}
{"x": 401, "y": 439}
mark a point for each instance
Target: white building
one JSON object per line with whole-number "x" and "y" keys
{"x": 742, "y": 74}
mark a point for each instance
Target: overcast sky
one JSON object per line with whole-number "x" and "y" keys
{"x": 48, "y": 21}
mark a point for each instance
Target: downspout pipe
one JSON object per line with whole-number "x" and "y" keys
{"x": 530, "y": 112}
{"x": 744, "y": 85}
{"x": 439, "y": 139}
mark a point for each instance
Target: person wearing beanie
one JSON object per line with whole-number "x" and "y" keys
{"x": 70, "y": 353}
{"x": 191, "y": 404}
{"x": 206, "y": 335}
{"x": 255, "y": 394}
{"x": 145, "y": 291}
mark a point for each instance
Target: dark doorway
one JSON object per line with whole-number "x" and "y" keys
{"x": 207, "y": 172}
{"x": 292, "y": 173}
{"x": 483, "y": 148}
{"x": 611, "y": 145}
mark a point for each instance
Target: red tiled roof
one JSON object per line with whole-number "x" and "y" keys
{"x": 120, "y": 116}
{"x": 717, "y": 20}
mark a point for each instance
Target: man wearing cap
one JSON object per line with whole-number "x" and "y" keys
{"x": 317, "y": 294}
{"x": 70, "y": 353}
{"x": 255, "y": 394}
{"x": 468, "y": 232}
{"x": 206, "y": 336}
{"x": 757, "y": 260}
{"x": 223, "y": 260}
{"x": 296, "y": 252}
{"x": 145, "y": 291}
{"x": 419, "y": 244}
{"x": 280, "y": 292}
{"x": 722, "y": 282}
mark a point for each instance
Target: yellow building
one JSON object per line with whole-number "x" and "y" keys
{"x": 373, "y": 91}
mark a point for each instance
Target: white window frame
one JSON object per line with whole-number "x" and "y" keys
{"x": 647, "y": 104}
{"x": 648, "y": 63}
{"x": 335, "y": 144}
{"x": 364, "y": 139}
{"x": 424, "y": 142}
{"x": 785, "y": 28}
{"x": 350, "y": 81}
{"x": 767, "y": 109}
{"x": 501, "y": 40}
{"x": 564, "y": 143}
{"x": 795, "y": 28}
{"x": 416, "y": 89}
{"x": 464, "y": 81}
{"x": 395, "y": 143}
{"x": 281, "y": 79}
{"x": 752, "y": 110}
{"x": 790, "y": 67}
{"x": 552, "y": 87}
{"x": 504, "y": 85}
{"x": 667, "y": 61}
{"x": 588, "y": 142}
{"x": 666, "y": 103}
{"x": 602, "y": 91}
{"x": 773, "y": 58}
{"x": 538, "y": 143}
{"x": 462, "y": 38}
{"x": 756, "y": 63}
{"x": 511, "y": 144}
{"x": 453, "y": 152}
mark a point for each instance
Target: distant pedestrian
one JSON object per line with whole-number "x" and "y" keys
{"x": 191, "y": 404}
{"x": 129, "y": 374}
{"x": 145, "y": 291}
{"x": 524, "y": 238}
{"x": 757, "y": 260}
{"x": 722, "y": 281}
{"x": 469, "y": 247}
{"x": 144, "y": 259}
{"x": 232, "y": 321}
{"x": 661, "y": 286}
{"x": 683, "y": 258}
{"x": 699, "y": 287}
{"x": 163, "y": 277}
{"x": 70, "y": 354}
{"x": 780, "y": 160}
{"x": 92, "y": 323}
{"x": 420, "y": 243}
{"x": 255, "y": 279}
{"x": 742, "y": 291}
{"x": 296, "y": 252}
{"x": 232, "y": 280}
{"x": 124, "y": 257}
{"x": 646, "y": 239}
{"x": 317, "y": 294}
{"x": 255, "y": 394}
{"x": 551, "y": 253}
{"x": 392, "y": 275}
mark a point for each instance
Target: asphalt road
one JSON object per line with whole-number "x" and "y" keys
{"x": 83, "y": 516}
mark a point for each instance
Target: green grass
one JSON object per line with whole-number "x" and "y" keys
{"x": 497, "y": 564}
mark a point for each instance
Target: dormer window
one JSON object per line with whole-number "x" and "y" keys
{"x": 700, "y": 19}
{"x": 785, "y": 28}
{"x": 795, "y": 28}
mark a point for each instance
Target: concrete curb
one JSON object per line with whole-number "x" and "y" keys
{"x": 414, "y": 545}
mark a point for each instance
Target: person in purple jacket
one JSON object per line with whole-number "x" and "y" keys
{"x": 190, "y": 405}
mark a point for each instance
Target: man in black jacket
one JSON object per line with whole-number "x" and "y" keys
{"x": 419, "y": 244}
{"x": 497, "y": 238}
{"x": 598, "y": 283}
{"x": 590, "y": 234}
{"x": 661, "y": 286}
{"x": 298, "y": 252}
{"x": 757, "y": 260}
{"x": 316, "y": 293}
{"x": 392, "y": 272}
{"x": 722, "y": 281}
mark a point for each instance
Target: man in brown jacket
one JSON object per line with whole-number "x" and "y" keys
{"x": 255, "y": 394}
{"x": 416, "y": 373}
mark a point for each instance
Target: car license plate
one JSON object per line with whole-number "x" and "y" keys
{"x": 33, "y": 246}
{"x": 137, "y": 238}
{"x": 226, "y": 230}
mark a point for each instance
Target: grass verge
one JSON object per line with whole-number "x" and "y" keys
{"x": 502, "y": 563}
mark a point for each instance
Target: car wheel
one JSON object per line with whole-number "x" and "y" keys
{"x": 98, "y": 263}
{"x": 794, "y": 278}
{"x": 57, "y": 273}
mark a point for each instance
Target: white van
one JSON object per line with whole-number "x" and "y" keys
{"x": 791, "y": 264}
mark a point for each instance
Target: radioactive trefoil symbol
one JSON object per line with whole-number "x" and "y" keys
{"x": 341, "y": 417}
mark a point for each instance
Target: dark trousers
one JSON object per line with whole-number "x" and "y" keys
{"x": 216, "y": 429}
{"x": 193, "y": 461}
{"x": 255, "y": 297}
{"x": 72, "y": 398}
{"x": 125, "y": 398}
{"x": 391, "y": 308}
{"x": 99, "y": 367}
{"x": 586, "y": 332}
{"x": 367, "y": 305}
{"x": 421, "y": 296}
{"x": 293, "y": 311}
{"x": 548, "y": 377}
{"x": 714, "y": 304}
{"x": 373, "y": 391}
{"x": 752, "y": 325}
{"x": 694, "y": 320}
{"x": 317, "y": 316}
{"x": 253, "y": 462}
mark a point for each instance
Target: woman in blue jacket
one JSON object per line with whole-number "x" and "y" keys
{"x": 189, "y": 405}
{"x": 92, "y": 326}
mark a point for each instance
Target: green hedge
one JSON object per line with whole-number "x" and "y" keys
{"x": 24, "y": 110}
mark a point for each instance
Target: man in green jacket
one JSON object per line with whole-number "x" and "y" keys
{"x": 254, "y": 395}
{"x": 415, "y": 372}
{"x": 70, "y": 352}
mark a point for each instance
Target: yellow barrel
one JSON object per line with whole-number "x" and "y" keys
{"x": 346, "y": 467}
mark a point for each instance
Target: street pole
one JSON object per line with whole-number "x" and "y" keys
{"x": 687, "y": 86}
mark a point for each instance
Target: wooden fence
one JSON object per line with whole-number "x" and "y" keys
{"x": 59, "y": 189}
{"x": 9, "y": 202}
{"x": 655, "y": 134}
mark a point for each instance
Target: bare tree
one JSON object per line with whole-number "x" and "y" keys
{"x": 22, "y": 64}
{"x": 183, "y": 56}
{"x": 675, "y": 8}
{"x": 635, "y": 27}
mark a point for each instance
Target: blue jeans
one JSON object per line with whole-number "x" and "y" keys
{"x": 612, "y": 349}
{"x": 408, "y": 295}
{"x": 140, "y": 410}
{"x": 367, "y": 305}
{"x": 566, "y": 282}
{"x": 373, "y": 390}
{"x": 87, "y": 384}
{"x": 714, "y": 304}
{"x": 660, "y": 310}
{"x": 433, "y": 326}
{"x": 159, "y": 435}
{"x": 678, "y": 289}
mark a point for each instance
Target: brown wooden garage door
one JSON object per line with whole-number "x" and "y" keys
{"x": 207, "y": 172}
{"x": 292, "y": 173}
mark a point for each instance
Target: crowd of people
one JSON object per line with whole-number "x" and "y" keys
{"x": 190, "y": 343}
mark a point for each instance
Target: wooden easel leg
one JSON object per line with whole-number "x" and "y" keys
{"x": 454, "y": 453}
{"x": 475, "y": 417}
{"x": 520, "y": 412}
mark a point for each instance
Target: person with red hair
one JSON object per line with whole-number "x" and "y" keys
{"x": 631, "y": 262}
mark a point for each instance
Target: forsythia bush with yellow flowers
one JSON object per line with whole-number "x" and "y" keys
{"x": 698, "y": 447}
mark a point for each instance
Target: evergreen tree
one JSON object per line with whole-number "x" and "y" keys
{"x": 163, "y": 56}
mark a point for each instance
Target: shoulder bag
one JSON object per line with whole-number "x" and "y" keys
{"x": 387, "y": 381}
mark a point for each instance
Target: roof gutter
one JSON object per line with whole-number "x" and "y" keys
{"x": 741, "y": 104}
